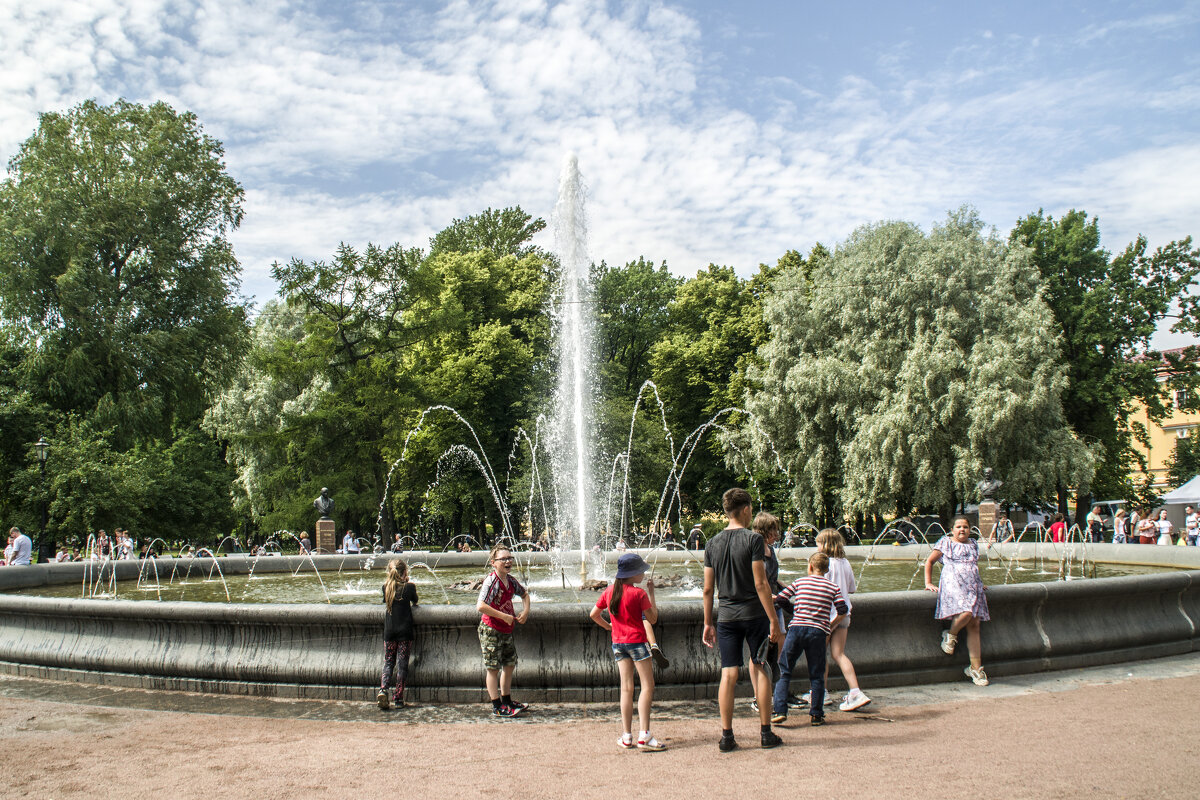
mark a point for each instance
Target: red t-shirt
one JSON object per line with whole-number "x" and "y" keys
{"x": 626, "y": 621}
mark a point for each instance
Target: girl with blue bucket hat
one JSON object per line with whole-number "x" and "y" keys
{"x": 631, "y": 613}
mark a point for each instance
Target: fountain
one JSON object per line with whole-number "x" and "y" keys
{"x": 317, "y": 648}
{"x": 573, "y": 398}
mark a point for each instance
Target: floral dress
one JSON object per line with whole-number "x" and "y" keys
{"x": 960, "y": 588}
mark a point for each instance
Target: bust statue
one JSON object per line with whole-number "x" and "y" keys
{"x": 988, "y": 487}
{"x": 324, "y": 503}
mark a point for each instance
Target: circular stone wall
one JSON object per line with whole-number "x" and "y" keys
{"x": 333, "y": 651}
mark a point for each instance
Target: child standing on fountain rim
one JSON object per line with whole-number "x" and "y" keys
{"x": 495, "y": 630}
{"x": 960, "y": 593}
{"x": 399, "y": 596}
{"x": 831, "y": 543}
{"x": 631, "y": 612}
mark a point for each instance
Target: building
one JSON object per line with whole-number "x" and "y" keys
{"x": 1178, "y": 424}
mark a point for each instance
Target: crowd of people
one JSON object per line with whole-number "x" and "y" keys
{"x": 741, "y": 570}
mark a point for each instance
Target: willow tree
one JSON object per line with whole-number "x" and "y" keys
{"x": 900, "y": 366}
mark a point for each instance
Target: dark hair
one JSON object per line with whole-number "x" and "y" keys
{"x": 614, "y": 599}
{"x": 1058, "y": 517}
{"x": 735, "y": 500}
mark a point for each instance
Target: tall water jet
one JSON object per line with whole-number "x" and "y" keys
{"x": 573, "y": 411}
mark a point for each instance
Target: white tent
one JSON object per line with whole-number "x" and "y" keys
{"x": 1189, "y": 493}
{"x": 1186, "y": 495}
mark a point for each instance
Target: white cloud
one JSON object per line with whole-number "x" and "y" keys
{"x": 386, "y": 124}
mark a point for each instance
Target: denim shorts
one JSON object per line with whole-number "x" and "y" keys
{"x": 638, "y": 651}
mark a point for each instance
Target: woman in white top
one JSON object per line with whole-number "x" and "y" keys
{"x": 1165, "y": 528}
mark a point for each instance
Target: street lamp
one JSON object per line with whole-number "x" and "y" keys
{"x": 42, "y": 448}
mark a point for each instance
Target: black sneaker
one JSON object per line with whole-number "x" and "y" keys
{"x": 660, "y": 660}
{"x": 727, "y": 744}
{"x": 382, "y": 699}
{"x": 818, "y": 721}
{"x": 518, "y": 706}
{"x": 769, "y": 740}
{"x": 796, "y": 702}
{"x": 505, "y": 711}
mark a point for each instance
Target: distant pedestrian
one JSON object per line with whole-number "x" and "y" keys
{"x": 1165, "y": 529}
{"x": 1132, "y": 528}
{"x": 1120, "y": 527}
{"x": 350, "y": 543}
{"x": 1191, "y": 526}
{"x": 961, "y": 596}
{"x": 22, "y": 549}
{"x": 305, "y": 544}
{"x": 1003, "y": 531}
{"x": 1057, "y": 531}
{"x": 1147, "y": 528}
{"x": 399, "y": 597}
{"x": 1095, "y": 524}
{"x": 631, "y": 613}
{"x": 695, "y": 539}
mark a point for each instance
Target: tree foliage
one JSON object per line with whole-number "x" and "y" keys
{"x": 1106, "y": 309}
{"x": 903, "y": 364}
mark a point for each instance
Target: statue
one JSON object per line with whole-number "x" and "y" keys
{"x": 988, "y": 487}
{"x": 324, "y": 504}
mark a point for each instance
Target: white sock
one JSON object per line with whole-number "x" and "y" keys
{"x": 644, "y": 736}
{"x": 626, "y": 737}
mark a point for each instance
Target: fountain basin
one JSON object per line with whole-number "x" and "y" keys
{"x": 331, "y": 651}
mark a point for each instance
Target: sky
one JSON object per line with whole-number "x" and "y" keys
{"x": 707, "y": 132}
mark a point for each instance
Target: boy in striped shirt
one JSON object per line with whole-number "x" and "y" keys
{"x": 812, "y": 597}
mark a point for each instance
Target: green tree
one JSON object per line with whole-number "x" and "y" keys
{"x": 504, "y": 232}
{"x": 116, "y": 268}
{"x": 901, "y": 365}
{"x": 1106, "y": 310}
{"x": 118, "y": 294}
{"x": 1184, "y": 463}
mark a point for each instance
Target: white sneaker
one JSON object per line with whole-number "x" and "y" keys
{"x": 806, "y": 698}
{"x": 978, "y": 676}
{"x": 855, "y": 699}
{"x": 949, "y": 640}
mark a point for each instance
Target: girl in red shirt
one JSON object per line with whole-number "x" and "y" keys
{"x": 631, "y": 612}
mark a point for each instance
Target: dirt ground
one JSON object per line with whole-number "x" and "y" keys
{"x": 1134, "y": 739}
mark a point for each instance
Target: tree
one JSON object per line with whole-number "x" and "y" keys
{"x": 504, "y": 232}
{"x": 900, "y": 366}
{"x": 118, "y": 296}
{"x": 1106, "y": 310}
{"x": 115, "y": 266}
{"x": 1184, "y": 463}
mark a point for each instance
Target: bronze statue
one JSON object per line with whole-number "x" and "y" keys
{"x": 324, "y": 504}
{"x": 988, "y": 487}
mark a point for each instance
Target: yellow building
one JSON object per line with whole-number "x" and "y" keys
{"x": 1163, "y": 435}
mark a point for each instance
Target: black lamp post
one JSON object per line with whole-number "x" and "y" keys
{"x": 42, "y": 449}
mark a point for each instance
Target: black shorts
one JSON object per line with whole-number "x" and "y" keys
{"x": 734, "y": 634}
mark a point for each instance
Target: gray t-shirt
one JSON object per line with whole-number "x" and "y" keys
{"x": 731, "y": 554}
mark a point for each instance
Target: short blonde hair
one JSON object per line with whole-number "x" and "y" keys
{"x": 819, "y": 562}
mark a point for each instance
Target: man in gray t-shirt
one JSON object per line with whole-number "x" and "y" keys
{"x": 734, "y": 569}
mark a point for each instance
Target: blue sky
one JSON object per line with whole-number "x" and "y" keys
{"x": 706, "y": 131}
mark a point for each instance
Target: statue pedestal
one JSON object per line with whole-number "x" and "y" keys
{"x": 326, "y": 540}
{"x": 987, "y": 520}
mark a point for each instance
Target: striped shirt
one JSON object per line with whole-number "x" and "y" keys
{"x": 812, "y": 598}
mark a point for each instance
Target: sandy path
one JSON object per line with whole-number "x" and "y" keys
{"x": 1066, "y": 744}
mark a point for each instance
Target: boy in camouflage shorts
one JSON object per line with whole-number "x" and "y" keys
{"x": 496, "y": 631}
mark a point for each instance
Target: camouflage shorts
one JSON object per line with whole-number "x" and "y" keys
{"x": 499, "y": 649}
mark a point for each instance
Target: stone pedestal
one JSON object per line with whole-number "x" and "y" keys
{"x": 987, "y": 520}
{"x": 327, "y": 535}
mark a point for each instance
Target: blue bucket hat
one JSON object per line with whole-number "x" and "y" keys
{"x": 631, "y": 564}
